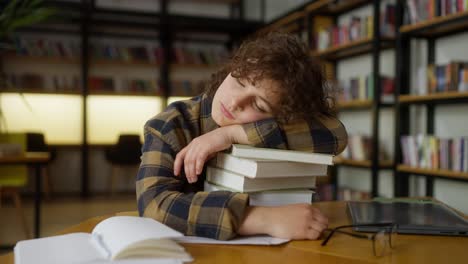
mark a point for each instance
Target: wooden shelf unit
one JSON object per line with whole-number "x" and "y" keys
{"x": 40, "y": 91}
{"x": 431, "y": 30}
{"x": 448, "y": 97}
{"x": 291, "y": 22}
{"x": 128, "y": 93}
{"x": 179, "y": 66}
{"x": 439, "y": 26}
{"x": 354, "y": 104}
{"x": 433, "y": 172}
{"x": 361, "y": 163}
{"x": 41, "y": 59}
{"x": 124, "y": 63}
{"x": 330, "y": 7}
{"x": 287, "y": 23}
{"x": 352, "y": 49}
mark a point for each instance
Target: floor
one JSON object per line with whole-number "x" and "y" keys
{"x": 59, "y": 213}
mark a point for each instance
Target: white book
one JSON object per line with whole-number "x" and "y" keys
{"x": 246, "y": 151}
{"x": 239, "y": 183}
{"x": 116, "y": 238}
{"x": 263, "y": 168}
{"x": 270, "y": 198}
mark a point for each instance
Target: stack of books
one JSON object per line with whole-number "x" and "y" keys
{"x": 271, "y": 177}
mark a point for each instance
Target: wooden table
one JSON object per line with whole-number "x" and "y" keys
{"x": 340, "y": 249}
{"x": 36, "y": 160}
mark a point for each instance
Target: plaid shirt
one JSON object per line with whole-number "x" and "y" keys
{"x": 185, "y": 207}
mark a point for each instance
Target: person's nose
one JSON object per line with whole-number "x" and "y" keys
{"x": 237, "y": 103}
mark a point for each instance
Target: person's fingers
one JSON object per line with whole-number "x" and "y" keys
{"x": 312, "y": 234}
{"x": 200, "y": 162}
{"x": 190, "y": 168}
{"x": 319, "y": 216}
{"x": 187, "y": 167}
{"x": 179, "y": 161}
{"x": 317, "y": 226}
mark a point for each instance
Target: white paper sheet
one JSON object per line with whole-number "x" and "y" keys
{"x": 248, "y": 240}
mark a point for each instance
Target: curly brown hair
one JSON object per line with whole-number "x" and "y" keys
{"x": 284, "y": 59}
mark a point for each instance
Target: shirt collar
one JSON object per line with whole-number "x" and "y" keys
{"x": 206, "y": 121}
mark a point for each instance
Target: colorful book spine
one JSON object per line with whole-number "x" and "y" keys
{"x": 426, "y": 151}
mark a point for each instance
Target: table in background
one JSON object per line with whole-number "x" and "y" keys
{"x": 36, "y": 160}
{"x": 340, "y": 249}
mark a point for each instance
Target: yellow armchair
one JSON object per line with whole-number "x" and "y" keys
{"x": 14, "y": 177}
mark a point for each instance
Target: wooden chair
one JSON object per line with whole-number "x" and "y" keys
{"x": 13, "y": 178}
{"x": 125, "y": 154}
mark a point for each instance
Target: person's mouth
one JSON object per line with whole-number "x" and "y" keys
{"x": 226, "y": 113}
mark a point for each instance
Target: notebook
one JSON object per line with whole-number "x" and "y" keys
{"x": 429, "y": 218}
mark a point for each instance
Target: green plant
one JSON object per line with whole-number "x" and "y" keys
{"x": 17, "y": 14}
{"x": 22, "y": 13}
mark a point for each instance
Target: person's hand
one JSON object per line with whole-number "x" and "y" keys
{"x": 201, "y": 149}
{"x": 294, "y": 221}
{"x": 297, "y": 221}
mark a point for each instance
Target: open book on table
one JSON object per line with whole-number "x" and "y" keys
{"x": 117, "y": 238}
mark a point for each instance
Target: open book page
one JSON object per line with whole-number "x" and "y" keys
{"x": 138, "y": 235}
{"x": 247, "y": 240}
{"x": 70, "y": 248}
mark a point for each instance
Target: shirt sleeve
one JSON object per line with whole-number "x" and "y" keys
{"x": 321, "y": 135}
{"x": 160, "y": 195}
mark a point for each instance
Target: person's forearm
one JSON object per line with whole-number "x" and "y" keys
{"x": 255, "y": 221}
{"x": 237, "y": 134}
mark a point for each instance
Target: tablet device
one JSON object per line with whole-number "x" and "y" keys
{"x": 429, "y": 218}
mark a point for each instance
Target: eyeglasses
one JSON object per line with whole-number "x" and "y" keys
{"x": 382, "y": 240}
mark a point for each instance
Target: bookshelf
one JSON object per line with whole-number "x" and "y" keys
{"x": 362, "y": 163}
{"x": 430, "y": 31}
{"x": 85, "y": 21}
{"x": 436, "y": 98}
{"x": 314, "y": 15}
{"x": 439, "y": 26}
{"x": 352, "y": 49}
{"x": 354, "y": 104}
{"x": 433, "y": 172}
{"x": 331, "y": 7}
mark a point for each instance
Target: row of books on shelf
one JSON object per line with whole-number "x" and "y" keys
{"x": 108, "y": 84}
{"x": 128, "y": 53}
{"x": 357, "y": 29}
{"x": 199, "y": 56}
{"x": 360, "y": 148}
{"x": 151, "y": 54}
{"x": 363, "y": 88}
{"x": 178, "y": 87}
{"x": 39, "y": 47}
{"x": 70, "y": 83}
{"x": 437, "y": 78}
{"x": 421, "y": 10}
{"x": 270, "y": 176}
{"x": 427, "y": 151}
{"x": 37, "y": 82}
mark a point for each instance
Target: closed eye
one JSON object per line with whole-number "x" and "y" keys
{"x": 259, "y": 108}
{"x": 239, "y": 82}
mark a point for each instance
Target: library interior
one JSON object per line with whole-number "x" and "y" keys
{"x": 110, "y": 116}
